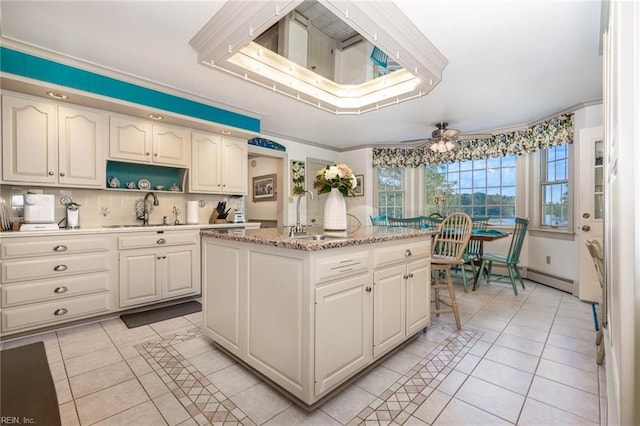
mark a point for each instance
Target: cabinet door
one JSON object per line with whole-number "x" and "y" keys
{"x": 81, "y": 147}
{"x": 171, "y": 146}
{"x": 343, "y": 331}
{"x": 418, "y": 295}
{"x": 181, "y": 271}
{"x": 221, "y": 269}
{"x": 205, "y": 173}
{"x": 388, "y": 308}
{"x": 29, "y": 147}
{"x": 234, "y": 166}
{"x": 129, "y": 139}
{"x": 139, "y": 277}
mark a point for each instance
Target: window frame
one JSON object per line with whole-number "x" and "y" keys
{"x": 402, "y": 191}
{"x": 543, "y": 182}
{"x": 485, "y": 187}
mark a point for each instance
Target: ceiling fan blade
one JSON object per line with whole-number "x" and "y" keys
{"x": 450, "y": 133}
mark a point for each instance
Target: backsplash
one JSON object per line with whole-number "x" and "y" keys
{"x": 117, "y": 207}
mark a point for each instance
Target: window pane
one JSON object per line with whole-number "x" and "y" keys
{"x": 476, "y": 187}
{"x": 561, "y": 170}
{"x": 466, "y": 180}
{"x": 479, "y": 178}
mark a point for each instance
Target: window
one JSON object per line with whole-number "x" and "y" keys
{"x": 390, "y": 191}
{"x": 554, "y": 187}
{"x": 485, "y": 187}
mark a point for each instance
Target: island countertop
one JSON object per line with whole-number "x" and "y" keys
{"x": 278, "y": 237}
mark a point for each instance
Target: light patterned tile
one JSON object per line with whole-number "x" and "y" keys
{"x": 171, "y": 409}
{"x": 100, "y": 378}
{"x": 513, "y": 358}
{"x": 211, "y": 361}
{"x": 347, "y": 404}
{"x": 68, "y": 414}
{"x": 458, "y": 413}
{"x": 519, "y": 344}
{"x": 566, "y": 398}
{"x": 502, "y": 375}
{"x": 233, "y": 380}
{"x": 107, "y": 402}
{"x": 145, "y": 414}
{"x": 119, "y": 333}
{"x": 91, "y": 361}
{"x": 81, "y": 340}
{"x": 432, "y": 407}
{"x": 491, "y": 398}
{"x": 63, "y": 391}
{"x": 261, "y": 402}
{"x": 577, "y": 378}
{"x": 536, "y": 413}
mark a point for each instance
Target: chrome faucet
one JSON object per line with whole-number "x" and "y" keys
{"x": 300, "y": 229}
{"x": 144, "y": 217}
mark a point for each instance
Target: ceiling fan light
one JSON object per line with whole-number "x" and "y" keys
{"x": 450, "y": 146}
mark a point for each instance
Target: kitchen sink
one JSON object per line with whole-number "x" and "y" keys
{"x": 139, "y": 225}
{"x": 317, "y": 238}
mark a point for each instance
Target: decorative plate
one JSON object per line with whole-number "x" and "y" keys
{"x": 144, "y": 184}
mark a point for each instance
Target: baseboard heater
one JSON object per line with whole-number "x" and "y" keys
{"x": 560, "y": 283}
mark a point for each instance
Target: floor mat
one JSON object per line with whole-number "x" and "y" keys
{"x": 28, "y": 395}
{"x": 160, "y": 314}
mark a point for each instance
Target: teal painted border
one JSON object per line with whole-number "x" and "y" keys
{"x": 19, "y": 63}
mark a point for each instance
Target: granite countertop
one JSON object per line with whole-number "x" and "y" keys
{"x": 278, "y": 237}
{"x": 123, "y": 229}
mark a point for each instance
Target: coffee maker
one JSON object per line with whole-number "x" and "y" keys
{"x": 73, "y": 215}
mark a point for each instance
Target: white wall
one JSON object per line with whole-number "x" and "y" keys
{"x": 352, "y": 65}
{"x": 360, "y": 162}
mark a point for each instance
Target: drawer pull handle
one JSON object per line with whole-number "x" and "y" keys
{"x": 60, "y": 290}
{"x": 368, "y": 289}
{"x": 60, "y": 268}
{"x": 60, "y": 248}
{"x": 161, "y": 241}
{"x": 407, "y": 253}
{"x": 59, "y": 312}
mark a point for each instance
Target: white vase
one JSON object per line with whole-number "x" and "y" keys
{"x": 335, "y": 213}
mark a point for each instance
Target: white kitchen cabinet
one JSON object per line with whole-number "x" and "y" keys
{"x": 308, "y": 319}
{"x": 141, "y": 141}
{"x": 401, "y": 294}
{"x": 155, "y": 266}
{"x": 343, "y": 331}
{"x": 49, "y": 144}
{"x": 218, "y": 164}
{"x": 54, "y": 279}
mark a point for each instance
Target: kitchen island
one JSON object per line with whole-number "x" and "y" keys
{"x": 310, "y": 314}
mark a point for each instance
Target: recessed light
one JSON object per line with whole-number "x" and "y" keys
{"x": 56, "y": 95}
{"x": 225, "y": 132}
{"x": 156, "y": 117}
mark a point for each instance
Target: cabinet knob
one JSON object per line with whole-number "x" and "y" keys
{"x": 60, "y": 268}
{"x": 368, "y": 289}
{"x": 50, "y": 173}
{"x": 164, "y": 257}
{"x": 411, "y": 275}
{"x": 147, "y": 153}
{"x": 60, "y": 290}
{"x": 60, "y": 248}
{"x": 61, "y": 311}
{"x": 158, "y": 257}
{"x": 155, "y": 154}
{"x": 62, "y": 174}
{"x": 161, "y": 241}
{"x": 407, "y": 253}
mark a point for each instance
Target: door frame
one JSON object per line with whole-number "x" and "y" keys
{"x": 281, "y": 180}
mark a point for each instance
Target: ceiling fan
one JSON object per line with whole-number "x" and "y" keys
{"x": 443, "y": 139}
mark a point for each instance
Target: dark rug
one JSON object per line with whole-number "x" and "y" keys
{"x": 154, "y": 315}
{"x": 28, "y": 395}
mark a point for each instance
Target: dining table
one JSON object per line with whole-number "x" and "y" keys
{"x": 482, "y": 236}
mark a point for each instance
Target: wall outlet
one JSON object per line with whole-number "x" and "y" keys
{"x": 548, "y": 260}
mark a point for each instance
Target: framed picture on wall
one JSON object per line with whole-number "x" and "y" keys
{"x": 359, "y": 191}
{"x": 264, "y": 188}
{"x": 297, "y": 170}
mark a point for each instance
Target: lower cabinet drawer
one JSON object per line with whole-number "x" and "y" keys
{"x": 29, "y": 269}
{"x": 337, "y": 266}
{"x": 42, "y": 291}
{"x": 41, "y": 314}
{"x": 393, "y": 254}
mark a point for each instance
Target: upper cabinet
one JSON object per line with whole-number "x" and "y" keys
{"x": 218, "y": 164}
{"x": 146, "y": 142}
{"x": 52, "y": 144}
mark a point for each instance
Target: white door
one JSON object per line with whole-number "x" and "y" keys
{"x": 235, "y": 170}
{"x": 418, "y": 295}
{"x": 590, "y": 208}
{"x": 180, "y": 270}
{"x": 139, "y": 277}
{"x": 171, "y": 146}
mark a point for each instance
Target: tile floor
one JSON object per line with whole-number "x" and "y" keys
{"x": 526, "y": 360}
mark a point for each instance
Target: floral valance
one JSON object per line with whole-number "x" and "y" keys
{"x": 553, "y": 132}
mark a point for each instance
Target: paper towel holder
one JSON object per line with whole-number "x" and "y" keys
{"x": 192, "y": 212}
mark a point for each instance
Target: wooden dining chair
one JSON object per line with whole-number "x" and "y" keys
{"x": 595, "y": 250}
{"x": 448, "y": 246}
{"x": 512, "y": 258}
